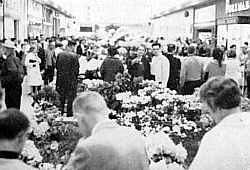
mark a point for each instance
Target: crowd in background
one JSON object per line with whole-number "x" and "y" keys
{"x": 182, "y": 65}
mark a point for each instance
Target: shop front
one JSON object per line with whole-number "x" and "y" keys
{"x": 233, "y": 20}
{"x": 35, "y": 19}
{"x": 204, "y": 23}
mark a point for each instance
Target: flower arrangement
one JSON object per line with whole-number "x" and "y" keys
{"x": 161, "y": 149}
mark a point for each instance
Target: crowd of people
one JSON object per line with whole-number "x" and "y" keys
{"x": 179, "y": 65}
{"x": 105, "y": 145}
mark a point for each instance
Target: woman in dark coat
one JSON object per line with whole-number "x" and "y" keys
{"x": 139, "y": 66}
{"x": 111, "y": 65}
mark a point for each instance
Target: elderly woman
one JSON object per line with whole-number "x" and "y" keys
{"x": 139, "y": 66}
{"x": 12, "y": 76}
{"x": 226, "y": 146}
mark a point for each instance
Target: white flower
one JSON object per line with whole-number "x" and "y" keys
{"x": 31, "y": 152}
{"x": 54, "y": 145}
{"x": 176, "y": 129}
{"x": 180, "y": 153}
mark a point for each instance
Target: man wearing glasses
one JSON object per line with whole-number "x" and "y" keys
{"x": 160, "y": 66}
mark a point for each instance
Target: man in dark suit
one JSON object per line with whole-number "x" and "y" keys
{"x": 175, "y": 68}
{"x": 106, "y": 146}
{"x": 67, "y": 66}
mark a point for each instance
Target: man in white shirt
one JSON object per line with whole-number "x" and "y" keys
{"x": 160, "y": 66}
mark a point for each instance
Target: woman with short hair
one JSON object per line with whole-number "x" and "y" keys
{"x": 227, "y": 145}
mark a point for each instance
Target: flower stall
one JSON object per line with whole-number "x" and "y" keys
{"x": 172, "y": 125}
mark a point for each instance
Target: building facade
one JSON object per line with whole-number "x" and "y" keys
{"x": 233, "y": 22}
{"x": 224, "y": 22}
{"x": 22, "y": 19}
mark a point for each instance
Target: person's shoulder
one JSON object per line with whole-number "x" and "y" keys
{"x": 15, "y": 164}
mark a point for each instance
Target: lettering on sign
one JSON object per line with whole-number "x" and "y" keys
{"x": 237, "y": 7}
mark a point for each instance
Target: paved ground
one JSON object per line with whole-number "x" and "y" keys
{"x": 26, "y": 100}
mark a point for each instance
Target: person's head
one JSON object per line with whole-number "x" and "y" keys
{"x": 244, "y": 47}
{"x": 71, "y": 45}
{"x": 171, "y": 48}
{"x": 32, "y": 49}
{"x": 231, "y": 53}
{"x": 218, "y": 55}
{"x": 42, "y": 38}
{"x": 23, "y": 46}
{"x": 112, "y": 51}
{"x": 156, "y": 47}
{"x": 220, "y": 93}
{"x": 25, "y": 41}
{"x": 52, "y": 44}
{"x": 191, "y": 50}
{"x": 14, "y": 126}
{"x": 89, "y": 109}
{"x": 233, "y": 47}
{"x": 141, "y": 50}
{"x": 59, "y": 45}
{"x": 223, "y": 48}
{"x": 8, "y": 47}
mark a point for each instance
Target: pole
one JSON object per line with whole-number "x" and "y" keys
{"x": 3, "y": 19}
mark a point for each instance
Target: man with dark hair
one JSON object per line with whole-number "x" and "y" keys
{"x": 13, "y": 134}
{"x": 175, "y": 68}
{"x": 50, "y": 62}
{"x": 160, "y": 66}
{"x": 67, "y": 66}
{"x": 192, "y": 72}
{"x": 111, "y": 65}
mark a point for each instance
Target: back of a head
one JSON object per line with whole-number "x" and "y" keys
{"x": 71, "y": 43}
{"x": 231, "y": 53}
{"x": 91, "y": 103}
{"x": 218, "y": 55}
{"x": 191, "y": 49}
{"x": 220, "y": 92}
{"x": 112, "y": 51}
{"x": 12, "y": 122}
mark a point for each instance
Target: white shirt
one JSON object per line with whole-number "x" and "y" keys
{"x": 226, "y": 146}
{"x": 233, "y": 69}
{"x": 160, "y": 68}
{"x": 58, "y": 50}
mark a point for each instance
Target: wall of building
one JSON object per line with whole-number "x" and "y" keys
{"x": 233, "y": 25}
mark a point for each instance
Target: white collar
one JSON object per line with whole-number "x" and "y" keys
{"x": 100, "y": 124}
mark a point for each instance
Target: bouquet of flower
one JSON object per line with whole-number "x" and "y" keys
{"x": 161, "y": 148}
{"x": 31, "y": 154}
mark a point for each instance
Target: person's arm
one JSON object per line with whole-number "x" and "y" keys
{"x": 165, "y": 72}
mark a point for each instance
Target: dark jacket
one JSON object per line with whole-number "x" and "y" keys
{"x": 175, "y": 68}
{"x": 12, "y": 70}
{"x": 67, "y": 66}
{"x": 110, "y": 67}
{"x": 140, "y": 69}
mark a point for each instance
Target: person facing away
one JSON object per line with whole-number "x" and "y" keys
{"x": 232, "y": 66}
{"x": 160, "y": 66}
{"x": 175, "y": 68}
{"x": 226, "y": 146}
{"x": 67, "y": 66}
{"x": 111, "y": 65}
{"x": 13, "y": 135}
{"x": 192, "y": 72}
{"x": 105, "y": 145}
{"x": 216, "y": 67}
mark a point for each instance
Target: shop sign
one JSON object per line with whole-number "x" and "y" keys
{"x": 237, "y": 7}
